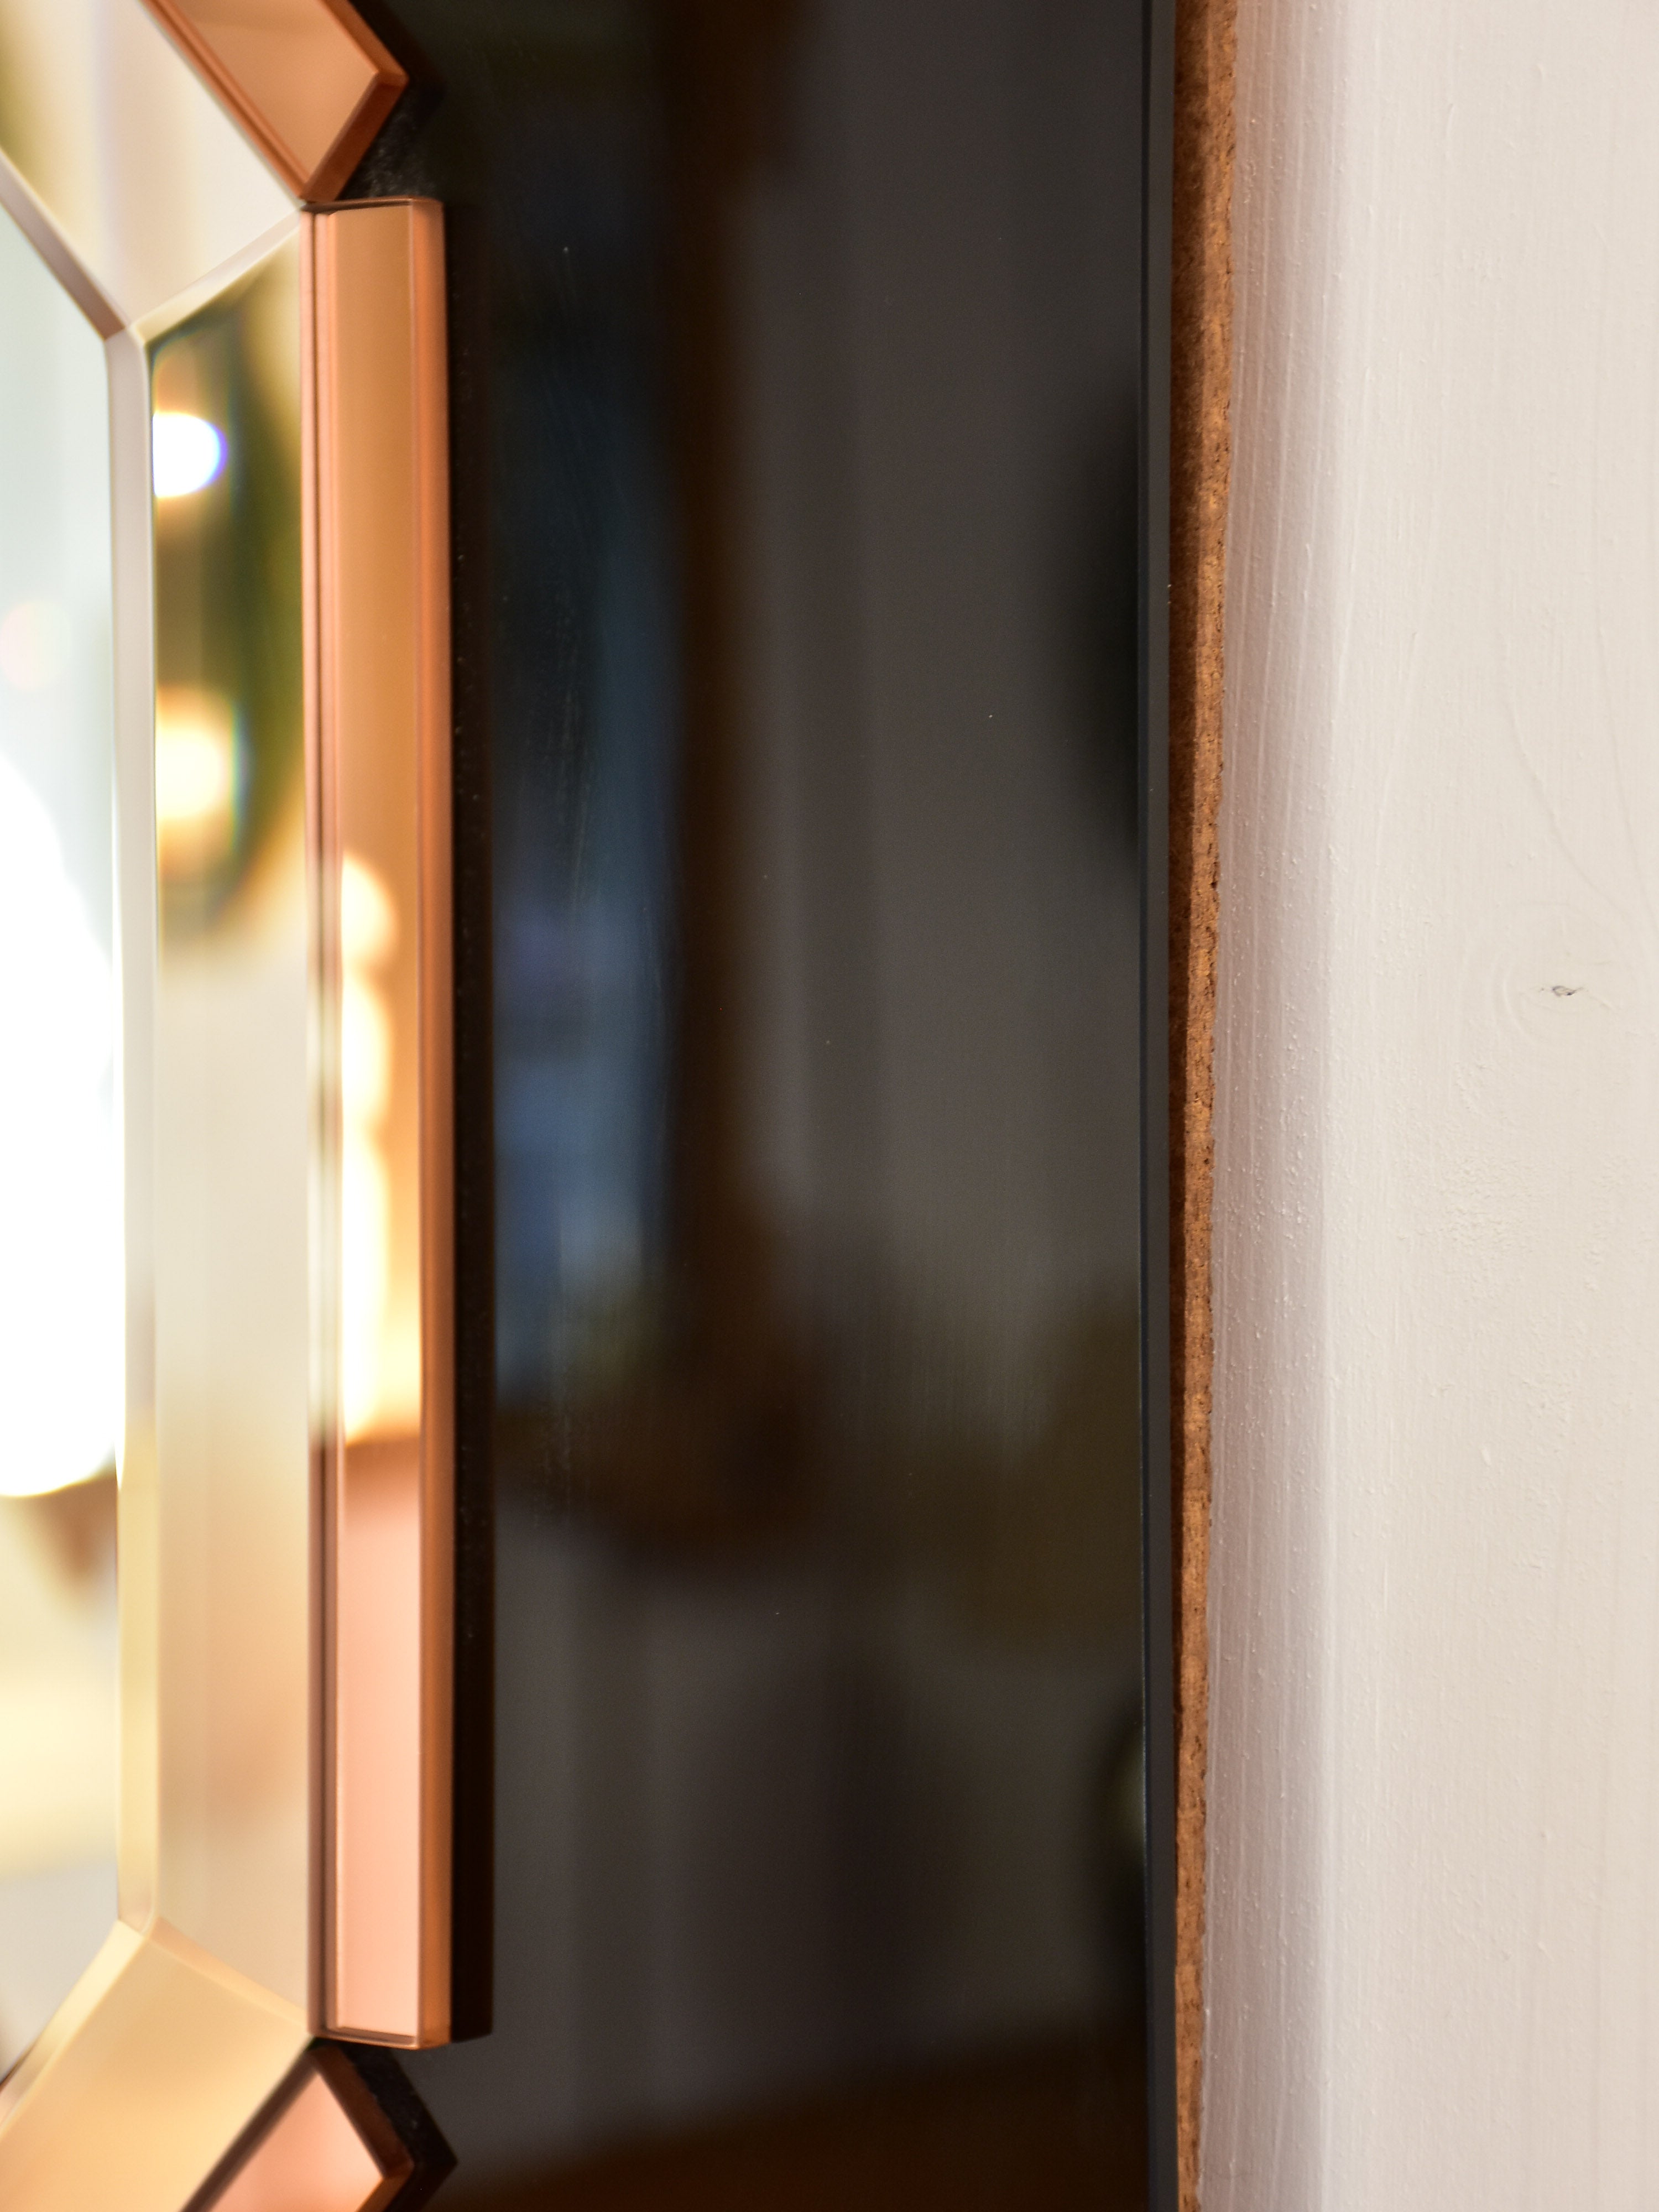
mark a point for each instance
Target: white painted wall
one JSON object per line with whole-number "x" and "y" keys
{"x": 1434, "y": 1808}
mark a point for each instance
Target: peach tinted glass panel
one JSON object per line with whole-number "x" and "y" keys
{"x": 382, "y": 704}
{"x": 308, "y": 81}
{"x": 143, "y": 2081}
{"x": 311, "y": 2159}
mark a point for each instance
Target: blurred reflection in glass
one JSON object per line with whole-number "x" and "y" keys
{"x": 804, "y": 335}
{"x": 60, "y": 1219}
{"x": 586, "y": 681}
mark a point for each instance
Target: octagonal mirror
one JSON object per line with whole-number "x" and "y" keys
{"x": 227, "y": 1491}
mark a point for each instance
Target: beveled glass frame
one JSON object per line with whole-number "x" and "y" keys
{"x": 303, "y": 1585}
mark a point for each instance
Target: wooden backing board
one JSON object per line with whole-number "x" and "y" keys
{"x": 1202, "y": 365}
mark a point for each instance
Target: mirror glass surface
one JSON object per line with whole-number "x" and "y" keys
{"x": 60, "y": 1190}
{"x": 795, "y": 370}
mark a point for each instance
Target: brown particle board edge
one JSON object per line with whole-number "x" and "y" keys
{"x": 1201, "y": 369}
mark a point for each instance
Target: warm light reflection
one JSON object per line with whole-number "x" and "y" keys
{"x": 195, "y": 780}
{"x": 60, "y": 1293}
{"x": 35, "y": 644}
{"x": 186, "y": 454}
{"x": 368, "y": 938}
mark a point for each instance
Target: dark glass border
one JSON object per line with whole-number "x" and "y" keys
{"x": 392, "y": 167}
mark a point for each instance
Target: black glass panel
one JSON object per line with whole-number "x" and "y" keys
{"x": 801, "y": 341}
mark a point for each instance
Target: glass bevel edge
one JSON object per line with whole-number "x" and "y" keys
{"x": 29, "y": 212}
{"x": 153, "y": 144}
{"x": 148, "y": 328}
{"x": 141, "y": 1564}
{"x": 366, "y": 2090}
{"x": 170, "y": 2049}
{"x": 138, "y": 1505}
{"x": 141, "y": 1959}
{"x": 133, "y": 606}
{"x": 352, "y": 361}
{"x": 356, "y": 133}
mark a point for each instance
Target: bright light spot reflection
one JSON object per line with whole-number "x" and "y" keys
{"x": 186, "y": 453}
{"x": 195, "y": 779}
{"x": 60, "y": 1289}
{"x": 376, "y": 1366}
{"x": 368, "y": 921}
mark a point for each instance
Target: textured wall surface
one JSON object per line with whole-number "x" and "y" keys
{"x": 1433, "y": 1844}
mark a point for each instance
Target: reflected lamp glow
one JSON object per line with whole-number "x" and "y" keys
{"x": 195, "y": 780}
{"x": 186, "y": 454}
{"x": 60, "y": 1290}
{"x": 368, "y": 936}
